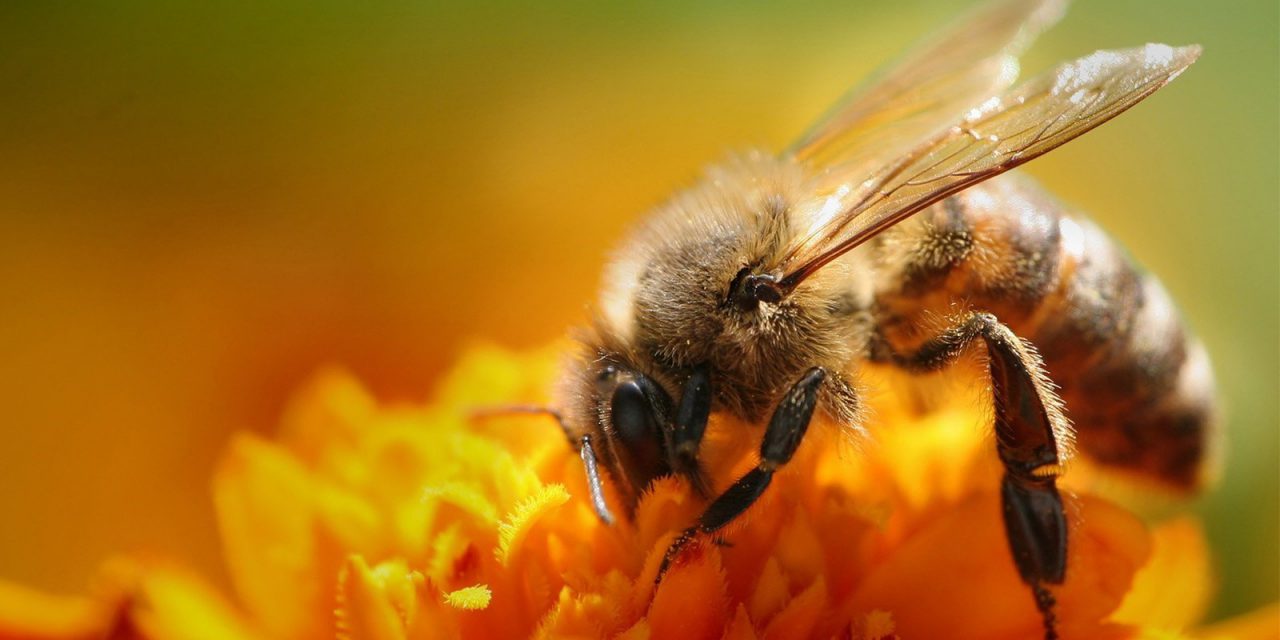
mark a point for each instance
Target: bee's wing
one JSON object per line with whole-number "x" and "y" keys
{"x": 931, "y": 87}
{"x": 998, "y": 135}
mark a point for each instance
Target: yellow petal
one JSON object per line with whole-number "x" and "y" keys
{"x": 327, "y": 412}
{"x": 466, "y": 497}
{"x": 446, "y": 548}
{"x": 262, "y": 499}
{"x": 378, "y": 603}
{"x": 511, "y": 533}
{"x": 27, "y": 613}
{"x": 172, "y": 604}
{"x": 348, "y": 519}
{"x": 470, "y": 598}
{"x": 488, "y": 375}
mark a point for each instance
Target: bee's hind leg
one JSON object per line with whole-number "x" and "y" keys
{"x": 1030, "y": 430}
{"x": 786, "y": 428}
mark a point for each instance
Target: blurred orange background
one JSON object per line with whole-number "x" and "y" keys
{"x": 203, "y": 204}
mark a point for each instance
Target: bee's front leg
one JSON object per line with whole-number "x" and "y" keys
{"x": 684, "y": 435}
{"x": 786, "y": 428}
{"x": 642, "y": 440}
{"x": 1030, "y": 439}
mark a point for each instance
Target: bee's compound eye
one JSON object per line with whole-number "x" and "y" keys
{"x": 637, "y": 415}
{"x": 632, "y": 414}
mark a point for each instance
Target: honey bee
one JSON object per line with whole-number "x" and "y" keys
{"x": 759, "y": 291}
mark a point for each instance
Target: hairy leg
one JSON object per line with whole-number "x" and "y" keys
{"x": 781, "y": 439}
{"x": 1031, "y": 439}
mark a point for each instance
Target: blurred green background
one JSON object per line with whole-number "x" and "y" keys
{"x": 201, "y": 203}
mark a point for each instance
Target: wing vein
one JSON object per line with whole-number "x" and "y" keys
{"x": 1000, "y": 134}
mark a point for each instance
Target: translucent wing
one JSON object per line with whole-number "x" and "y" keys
{"x": 932, "y": 86}
{"x": 996, "y": 136}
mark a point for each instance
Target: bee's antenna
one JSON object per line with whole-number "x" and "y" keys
{"x": 595, "y": 485}
{"x": 497, "y": 411}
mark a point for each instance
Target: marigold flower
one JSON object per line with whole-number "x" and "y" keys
{"x": 376, "y": 522}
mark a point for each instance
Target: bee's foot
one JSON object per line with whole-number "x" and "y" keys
{"x": 673, "y": 552}
{"x": 1045, "y": 602}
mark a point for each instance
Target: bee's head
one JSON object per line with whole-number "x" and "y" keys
{"x": 703, "y": 282}
{"x": 629, "y": 411}
{"x": 627, "y": 417}
{"x": 617, "y": 415}
{"x": 717, "y": 301}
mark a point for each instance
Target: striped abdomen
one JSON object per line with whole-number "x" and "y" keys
{"x": 1137, "y": 385}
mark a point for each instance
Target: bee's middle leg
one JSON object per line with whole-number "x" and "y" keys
{"x": 1029, "y": 429}
{"x": 781, "y": 439}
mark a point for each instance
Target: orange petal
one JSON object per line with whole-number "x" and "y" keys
{"x": 741, "y": 627}
{"x": 799, "y": 551}
{"x": 878, "y": 625}
{"x": 638, "y": 631}
{"x": 955, "y": 577}
{"x": 801, "y": 616}
{"x": 1173, "y": 591}
{"x": 691, "y": 601}
{"x": 850, "y": 539}
{"x": 574, "y": 616}
{"x": 666, "y": 505}
{"x": 771, "y": 592}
